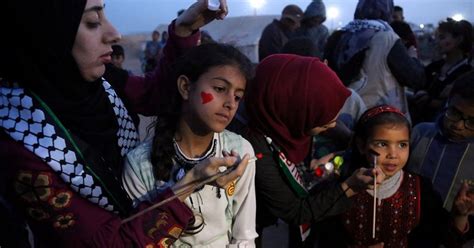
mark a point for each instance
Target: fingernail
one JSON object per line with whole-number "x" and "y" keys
{"x": 233, "y": 159}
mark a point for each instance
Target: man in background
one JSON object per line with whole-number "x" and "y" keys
{"x": 276, "y": 34}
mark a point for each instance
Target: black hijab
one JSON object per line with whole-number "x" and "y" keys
{"x": 38, "y": 55}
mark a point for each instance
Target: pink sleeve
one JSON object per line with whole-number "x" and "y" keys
{"x": 143, "y": 92}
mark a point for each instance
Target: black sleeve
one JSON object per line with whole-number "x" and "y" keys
{"x": 436, "y": 225}
{"x": 270, "y": 43}
{"x": 408, "y": 71}
{"x": 276, "y": 197}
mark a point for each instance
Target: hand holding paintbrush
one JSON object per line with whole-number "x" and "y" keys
{"x": 209, "y": 171}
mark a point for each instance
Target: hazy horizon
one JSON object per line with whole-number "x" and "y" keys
{"x": 137, "y": 16}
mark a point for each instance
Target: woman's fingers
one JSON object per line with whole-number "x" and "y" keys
{"x": 235, "y": 173}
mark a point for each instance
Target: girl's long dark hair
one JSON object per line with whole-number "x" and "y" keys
{"x": 193, "y": 64}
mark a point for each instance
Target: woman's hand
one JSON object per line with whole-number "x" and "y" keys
{"x": 324, "y": 159}
{"x": 197, "y": 16}
{"x": 211, "y": 167}
{"x": 362, "y": 179}
{"x": 463, "y": 207}
{"x": 379, "y": 245}
{"x": 464, "y": 201}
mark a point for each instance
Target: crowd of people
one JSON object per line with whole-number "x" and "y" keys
{"x": 346, "y": 136}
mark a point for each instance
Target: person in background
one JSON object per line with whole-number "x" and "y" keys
{"x": 164, "y": 38}
{"x": 455, "y": 43}
{"x": 277, "y": 33}
{"x": 117, "y": 59}
{"x": 443, "y": 151}
{"x": 403, "y": 30}
{"x": 152, "y": 51}
{"x": 397, "y": 15}
{"x": 312, "y": 25}
{"x": 370, "y": 58}
{"x": 117, "y": 56}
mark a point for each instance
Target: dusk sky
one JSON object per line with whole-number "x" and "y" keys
{"x": 134, "y": 16}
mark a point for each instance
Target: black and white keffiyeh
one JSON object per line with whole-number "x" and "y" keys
{"x": 26, "y": 120}
{"x": 127, "y": 134}
{"x": 355, "y": 38}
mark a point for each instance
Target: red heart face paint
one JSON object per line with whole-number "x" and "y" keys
{"x": 206, "y": 97}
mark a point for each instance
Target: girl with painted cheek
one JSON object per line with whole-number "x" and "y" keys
{"x": 204, "y": 94}
{"x": 65, "y": 129}
{"x": 408, "y": 211}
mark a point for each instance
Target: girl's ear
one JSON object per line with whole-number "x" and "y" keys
{"x": 184, "y": 86}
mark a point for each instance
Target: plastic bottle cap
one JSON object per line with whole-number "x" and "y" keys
{"x": 318, "y": 172}
{"x": 329, "y": 166}
{"x": 338, "y": 161}
{"x": 213, "y": 5}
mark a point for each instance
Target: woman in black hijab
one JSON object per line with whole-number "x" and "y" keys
{"x": 64, "y": 129}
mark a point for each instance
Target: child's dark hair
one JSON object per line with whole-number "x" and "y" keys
{"x": 376, "y": 116}
{"x": 403, "y": 30}
{"x": 193, "y": 64}
{"x": 458, "y": 28}
{"x": 397, "y": 8}
{"x": 117, "y": 50}
{"x": 303, "y": 46}
{"x": 464, "y": 86}
{"x": 348, "y": 72}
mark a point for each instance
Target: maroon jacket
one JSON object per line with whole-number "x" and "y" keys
{"x": 60, "y": 217}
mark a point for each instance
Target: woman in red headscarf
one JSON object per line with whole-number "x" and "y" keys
{"x": 293, "y": 98}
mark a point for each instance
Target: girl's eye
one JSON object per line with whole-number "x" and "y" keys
{"x": 403, "y": 145}
{"x": 219, "y": 89}
{"x": 380, "y": 144}
{"x": 238, "y": 98}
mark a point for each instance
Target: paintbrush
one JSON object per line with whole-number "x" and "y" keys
{"x": 191, "y": 187}
{"x": 374, "y": 156}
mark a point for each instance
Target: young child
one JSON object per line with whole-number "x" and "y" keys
{"x": 409, "y": 212}
{"x": 209, "y": 82}
{"x": 443, "y": 150}
{"x": 118, "y": 56}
